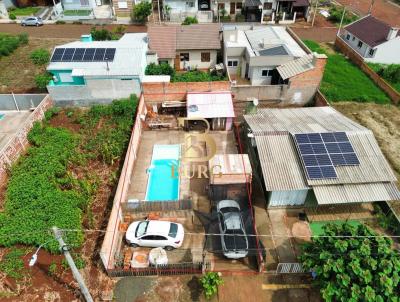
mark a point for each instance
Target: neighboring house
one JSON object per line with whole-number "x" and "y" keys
{"x": 374, "y": 40}
{"x": 185, "y": 46}
{"x": 79, "y": 4}
{"x": 253, "y": 10}
{"x": 258, "y": 54}
{"x": 316, "y": 156}
{"x": 98, "y": 71}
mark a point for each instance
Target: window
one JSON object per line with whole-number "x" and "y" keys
{"x": 233, "y": 63}
{"x": 348, "y": 37}
{"x": 371, "y": 52}
{"x": 221, "y": 6}
{"x": 353, "y": 38}
{"x": 267, "y": 5}
{"x": 205, "y": 57}
{"x": 122, "y": 4}
{"x": 184, "y": 56}
{"x": 190, "y": 4}
{"x": 162, "y": 62}
{"x": 239, "y": 5}
{"x": 360, "y": 44}
{"x": 266, "y": 73}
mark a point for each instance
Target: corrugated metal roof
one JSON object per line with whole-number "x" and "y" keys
{"x": 283, "y": 170}
{"x": 352, "y": 193}
{"x": 209, "y": 104}
{"x": 295, "y": 67}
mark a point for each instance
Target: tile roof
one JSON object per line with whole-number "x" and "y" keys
{"x": 167, "y": 39}
{"x": 370, "y": 30}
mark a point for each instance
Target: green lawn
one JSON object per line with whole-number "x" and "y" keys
{"x": 344, "y": 81}
{"x": 25, "y": 11}
{"x": 77, "y": 12}
{"x": 316, "y": 227}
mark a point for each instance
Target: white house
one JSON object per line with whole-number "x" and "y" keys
{"x": 374, "y": 40}
{"x": 98, "y": 71}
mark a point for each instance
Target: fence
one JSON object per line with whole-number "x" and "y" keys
{"x": 20, "y": 101}
{"x": 162, "y": 270}
{"x": 156, "y": 206}
{"x": 290, "y": 268}
{"x": 18, "y": 142}
{"x": 320, "y": 99}
{"x": 359, "y": 61}
{"x": 110, "y": 241}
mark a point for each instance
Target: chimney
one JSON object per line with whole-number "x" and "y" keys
{"x": 392, "y": 33}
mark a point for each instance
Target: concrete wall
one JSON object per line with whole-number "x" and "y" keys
{"x": 112, "y": 236}
{"x": 195, "y": 59}
{"x": 18, "y": 143}
{"x": 95, "y": 91}
{"x": 255, "y": 75}
{"x": 22, "y": 101}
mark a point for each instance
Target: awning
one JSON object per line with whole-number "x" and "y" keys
{"x": 295, "y": 67}
{"x": 210, "y": 104}
{"x": 356, "y": 193}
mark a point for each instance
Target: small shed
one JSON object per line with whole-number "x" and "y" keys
{"x": 230, "y": 174}
{"x": 216, "y": 107}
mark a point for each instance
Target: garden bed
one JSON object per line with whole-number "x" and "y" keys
{"x": 77, "y": 12}
{"x": 345, "y": 81}
{"x": 67, "y": 179}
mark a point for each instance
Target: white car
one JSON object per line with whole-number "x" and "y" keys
{"x": 155, "y": 233}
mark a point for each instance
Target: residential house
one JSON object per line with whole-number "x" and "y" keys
{"x": 185, "y": 46}
{"x": 316, "y": 156}
{"x": 98, "y": 71}
{"x": 80, "y": 4}
{"x": 374, "y": 40}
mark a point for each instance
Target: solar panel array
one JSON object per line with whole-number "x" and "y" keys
{"x": 83, "y": 55}
{"x": 321, "y": 152}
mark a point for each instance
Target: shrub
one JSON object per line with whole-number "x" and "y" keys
{"x": 190, "y": 20}
{"x": 60, "y": 22}
{"x": 12, "y": 264}
{"x": 79, "y": 262}
{"x": 12, "y": 16}
{"x": 51, "y": 112}
{"x": 159, "y": 69}
{"x": 197, "y": 76}
{"x": 42, "y": 80}
{"x": 102, "y": 34}
{"x": 141, "y": 11}
{"x": 210, "y": 282}
{"x": 40, "y": 56}
{"x": 335, "y": 15}
{"x": 52, "y": 269}
{"x": 9, "y": 43}
{"x": 23, "y": 38}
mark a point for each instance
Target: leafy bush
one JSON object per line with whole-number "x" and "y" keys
{"x": 60, "y": 22}
{"x": 210, "y": 282}
{"x": 353, "y": 264}
{"x": 197, "y": 76}
{"x": 79, "y": 262}
{"x": 12, "y": 264}
{"x": 190, "y": 20}
{"x": 12, "y": 16}
{"x": 141, "y": 11}
{"x": 51, "y": 112}
{"x": 41, "y": 80}
{"x": 9, "y": 43}
{"x": 40, "y": 56}
{"x": 336, "y": 12}
{"x": 52, "y": 269}
{"x": 159, "y": 69}
{"x": 103, "y": 34}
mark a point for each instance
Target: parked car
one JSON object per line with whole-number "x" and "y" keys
{"x": 233, "y": 236}
{"x": 32, "y": 21}
{"x": 155, "y": 233}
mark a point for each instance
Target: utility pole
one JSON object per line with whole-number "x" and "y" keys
{"x": 315, "y": 13}
{"x": 370, "y": 7}
{"x": 341, "y": 21}
{"x": 74, "y": 269}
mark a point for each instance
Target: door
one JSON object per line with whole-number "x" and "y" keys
{"x": 232, "y": 11}
{"x": 177, "y": 62}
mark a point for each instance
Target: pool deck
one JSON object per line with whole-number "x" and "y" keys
{"x": 10, "y": 124}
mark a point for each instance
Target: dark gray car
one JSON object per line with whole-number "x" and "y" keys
{"x": 233, "y": 236}
{"x": 32, "y": 21}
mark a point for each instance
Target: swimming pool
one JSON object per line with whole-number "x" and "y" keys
{"x": 162, "y": 185}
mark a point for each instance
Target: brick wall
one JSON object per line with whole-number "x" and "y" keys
{"x": 160, "y": 92}
{"x": 16, "y": 146}
{"x": 359, "y": 61}
{"x": 320, "y": 100}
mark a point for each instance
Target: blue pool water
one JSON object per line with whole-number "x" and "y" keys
{"x": 163, "y": 183}
{"x": 1, "y": 116}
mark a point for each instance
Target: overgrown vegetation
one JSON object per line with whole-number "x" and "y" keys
{"x": 390, "y": 72}
{"x": 9, "y": 43}
{"x": 336, "y": 13}
{"x": 210, "y": 282}
{"x": 42, "y": 80}
{"x": 190, "y": 20}
{"x": 344, "y": 81}
{"x": 103, "y": 34}
{"x": 24, "y": 11}
{"x": 44, "y": 190}
{"x": 12, "y": 264}
{"x": 40, "y": 56}
{"x": 360, "y": 266}
{"x": 141, "y": 11}
{"x": 159, "y": 69}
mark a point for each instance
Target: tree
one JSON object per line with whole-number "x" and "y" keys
{"x": 353, "y": 268}
{"x": 190, "y": 20}
{"x": 141, "y": 11}
{"x": 40, "y": 56}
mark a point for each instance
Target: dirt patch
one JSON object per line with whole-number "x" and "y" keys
{"x": 301, "y": 231}
{"x": 318, "y": 34}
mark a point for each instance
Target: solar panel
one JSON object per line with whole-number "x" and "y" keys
{"x": 89, "y": 53}
{"x": 78, "y": 55}
{"x": 99, "y": 54}
{"x": 68, "y": 54}
{"x": 321, "y": 152}
{"x": 57, "y": 54}
{"x": 110, "y": 53}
